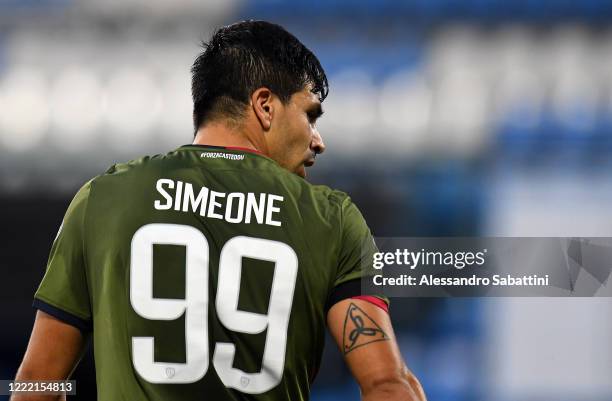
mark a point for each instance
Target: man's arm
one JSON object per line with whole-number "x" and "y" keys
{"x": 365, "y": 337}
{"x": 53, "y": 352}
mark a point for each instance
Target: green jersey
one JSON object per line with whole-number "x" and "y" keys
{"x": 205, "y": 273}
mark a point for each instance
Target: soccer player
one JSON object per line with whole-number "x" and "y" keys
{"x": 211, "y": 272}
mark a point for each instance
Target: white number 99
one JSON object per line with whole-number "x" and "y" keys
{"x": 195, "y": 307}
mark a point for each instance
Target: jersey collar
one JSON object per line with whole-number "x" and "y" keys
{"x": 226, "y": 147}
{"x": 234, "y": 148}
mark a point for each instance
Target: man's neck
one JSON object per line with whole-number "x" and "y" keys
{"x": 219, "y": 134}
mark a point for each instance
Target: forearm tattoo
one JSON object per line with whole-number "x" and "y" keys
{"x": 360, "y": 329}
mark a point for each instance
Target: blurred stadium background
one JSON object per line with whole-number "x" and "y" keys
{"x": 445, "y": 117}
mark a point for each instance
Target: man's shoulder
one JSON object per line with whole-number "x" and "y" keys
{"x": 321, "y": 200}
{"x": 331, "y": 195}
{"x": 316, "y": 192}
{"x": 148, "y": 164}
{"x": 135, "y": 165}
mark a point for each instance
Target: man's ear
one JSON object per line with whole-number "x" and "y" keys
{"x": 262, "y": 101}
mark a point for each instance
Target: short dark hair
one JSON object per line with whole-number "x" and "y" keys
{"x": 247, "y": 55}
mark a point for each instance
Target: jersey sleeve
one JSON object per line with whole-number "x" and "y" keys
{"x": 63, "y": 292}
{"x": 357, "y": 248}
{"x": 357, "y": 245}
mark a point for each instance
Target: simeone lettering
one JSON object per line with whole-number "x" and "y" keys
{"x": 233, "y": 207}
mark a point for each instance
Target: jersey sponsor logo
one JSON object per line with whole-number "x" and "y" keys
{"x": 220, "y": 155}
{"x": 233, "y": 207}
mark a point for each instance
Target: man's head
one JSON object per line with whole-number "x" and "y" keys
{"x": 258, "y": 78}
